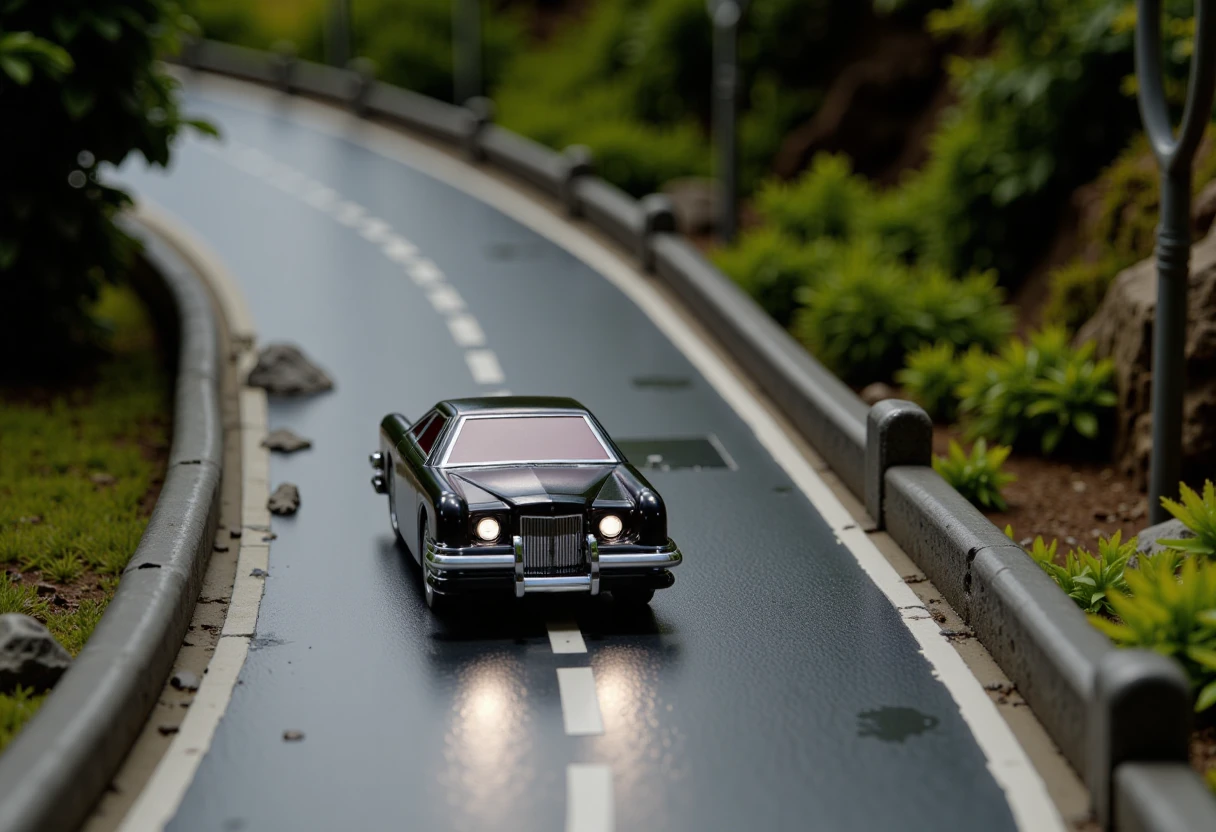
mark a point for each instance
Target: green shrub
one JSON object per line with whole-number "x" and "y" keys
{"x": 772, "y": 268}
{"x": 826, "y": 201}
{"x": 977, "y": 477}
{"x": 967, "y": 312}
{"x": 88, "y": 95}
{"x": 639, "y": 158}
{"x": 931, "y": 378}
{"x": 858, "y": 320}
{"x": 1199, "y": 515}
{"x": 1174, "y": 614}
{"x": 1075, "y": 292}
{"x": 1095, "y": 582}
{"x": 1041, "y": 391}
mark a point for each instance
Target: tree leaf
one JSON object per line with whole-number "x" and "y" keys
{"x": 18, "y": 69}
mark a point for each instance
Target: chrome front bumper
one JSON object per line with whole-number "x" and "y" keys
{"x": 451, "y": 562}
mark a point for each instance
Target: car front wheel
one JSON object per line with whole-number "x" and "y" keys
{"x": 436, "y": 602}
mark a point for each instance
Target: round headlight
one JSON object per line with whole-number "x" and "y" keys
{"x": 487, "y": 528}
{"x": 611, "y": 525}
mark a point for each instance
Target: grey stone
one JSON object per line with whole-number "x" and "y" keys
{"x": 694, "y": 202}
{"x": 877, "y": 392}
{"x": 1146, "y": 541}
{"x": 293, "y": 736}
{"x": 285, "y": 441}
{"x": 283, "y": 370}
{"x": 185, "y": 680}
{"x": 29, "y": 655}
{"x": 284, "y": 500}
{"x": 1122, "y": 329}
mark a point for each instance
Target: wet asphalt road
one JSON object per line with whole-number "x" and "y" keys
{"x": 772, "y": 688}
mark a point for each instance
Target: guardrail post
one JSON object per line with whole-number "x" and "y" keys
{"x": 364, "y": 72}
{"x": 284, "y": 64}
{"x": 898, "y": 432}
{"x": 482, "y": 110}
{"x": 1141, "y": 711}
{"x": 658, "y": 216}
{"x": 577, "y": 160}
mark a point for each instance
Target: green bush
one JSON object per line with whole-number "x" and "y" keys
{"x": 1075, "y": 291}
{"x": 1041, "y": 391}
{"x": 772, "y": 268}
{"x": 977, "y": 477}
{"x": 931, "y": 378}
{"x": 1199, "y": 515}
{"x": 1174, "y": 614}
{"x": 639, "y": 158}
{"x": 79, "y": 89}
{"x": 1096, "y": 582}
{"x": 967, "y": 312}
{"x": 825, "y": 201}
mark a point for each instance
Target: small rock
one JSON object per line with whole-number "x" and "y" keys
{"x": 59, "y": 601}
{"x": 283, "y": 370}
{"x": 184, "y": 680}
{"x": 284, "y": 500}
{"x": 293, "y": 736}
{"x": 1146, "y": 541}
{"x": 1070, "y": 540}
{"x": 266, "y": 538}
{"x": 102, "y": 478}
{"x": 285, "y": 441}
{"x": 258, "y": 573}
{"x": 45, "y": 589}
{"x": 234, "y": 532}
{"x": 167, "y": 730}
{"x": 694, "y": 202}
{"x": 32, "y": 520}
{"x": 29, "y": 655}
{"x": 220, "y": 547}
{"x": 877, "y": 392}
{"x": 1079, "y": 486}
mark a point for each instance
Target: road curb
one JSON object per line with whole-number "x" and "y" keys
{"x": 1036, "y": 634}
{"x": 59, "y": 765}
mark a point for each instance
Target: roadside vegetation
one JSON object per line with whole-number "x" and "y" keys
{"x": 81, "y": 464}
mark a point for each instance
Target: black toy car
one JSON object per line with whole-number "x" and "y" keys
{"x": 530, "y": 494}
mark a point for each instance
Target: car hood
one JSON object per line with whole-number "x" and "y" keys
{"x": 538, "y": 484}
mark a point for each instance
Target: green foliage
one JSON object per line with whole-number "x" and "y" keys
{"x": 639, "y": 158}
{"x": 1174, "y": 614}
{"x": 772, "y": 268}
{"x": 1075, "y": 292}
{"x": 931, "y": 378}
{"x": 1199, "y": 515}
{"x": 16, "y": 709}
{"x": 80, "y": 88}
{"x": 1040, "y": 391}
{"x": 825, "y": 201}
{"x": 1094, "y": 581}
{"x": 977, "y": 477}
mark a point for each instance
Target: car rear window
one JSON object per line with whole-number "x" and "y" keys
{"x": 486, "y": 441}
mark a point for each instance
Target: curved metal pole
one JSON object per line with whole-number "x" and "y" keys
{"x": 1174, "y": 156}
{"x": 726, "y": 89}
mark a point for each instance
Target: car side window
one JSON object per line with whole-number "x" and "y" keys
{"x": 427, "y": 440}
{"x": 421, "y": 425}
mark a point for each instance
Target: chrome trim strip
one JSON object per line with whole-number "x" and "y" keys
{"x": 593, "y": 557}
{"x": 560, "y": 583}
{"x": 517, "y": 543}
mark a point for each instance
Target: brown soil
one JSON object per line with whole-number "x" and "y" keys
{"x": 1203, "y": 749}
{"x": 1073, "y": 501}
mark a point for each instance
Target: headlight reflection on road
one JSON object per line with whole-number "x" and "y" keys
{"x": 639, "y": 735}
{"x": 487, "y": 745}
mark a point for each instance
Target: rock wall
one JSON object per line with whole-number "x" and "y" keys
{"x": 1123, "y": 330}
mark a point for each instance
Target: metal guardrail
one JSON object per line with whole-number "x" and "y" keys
{"x": 59, "y": 765}
{"x": 1119, "y": 716}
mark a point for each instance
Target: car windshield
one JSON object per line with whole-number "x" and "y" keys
{"x": 504, "y": 439}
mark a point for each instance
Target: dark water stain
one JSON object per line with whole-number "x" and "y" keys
{"x": 782, "y": 489}
{"x": 894, "y": 724}
{"x": 514, "y": 251}
{"x": 662, "y": 382}
{"x": 262, "y": 642}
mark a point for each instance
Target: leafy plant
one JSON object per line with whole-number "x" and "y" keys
{"x": 1073, "y": 397}
{"x": 85, "y": 74}
{"x": 1199, "y": 515}
{"x": 1075, "y": 291}
{"x": 1091, "y": 580}
{"x": 772, "y": 268}
{"x": 931, "y": 377}
{"x": 977, "y": 476}
{"x": 967, "y": 312}
{"x": 825, "y": 201}
{"x": 1172, "y": 614}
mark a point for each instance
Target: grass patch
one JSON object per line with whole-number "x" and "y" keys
{"x": 80, "y": 465}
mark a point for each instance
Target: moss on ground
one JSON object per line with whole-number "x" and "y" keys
{"x": 80, "y": 466}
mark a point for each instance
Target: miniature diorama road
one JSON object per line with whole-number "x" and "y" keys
{"x": 774, "y": 686}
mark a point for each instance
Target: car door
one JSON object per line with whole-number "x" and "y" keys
{"x": 421, "y": 440}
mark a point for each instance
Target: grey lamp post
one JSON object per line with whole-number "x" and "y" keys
{"x": 1174, "y": 156}
{"x": 337, "y": 33}
{"x": 725, "y": 15}
{"x": 466, "y": 49}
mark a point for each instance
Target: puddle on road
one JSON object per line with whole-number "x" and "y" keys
{"x": 894, "y": 724}
{"x": 514, "y": 251}
{"x": 676, "y": 454}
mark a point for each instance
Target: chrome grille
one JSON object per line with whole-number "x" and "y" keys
{"x": 553, "y": 545}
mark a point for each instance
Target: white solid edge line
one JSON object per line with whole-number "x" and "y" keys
{"x": 589, "y": 798}
{"x": 580, "y": 703}
{"x": 1029, "y": 801}
{"x": 162, "y": 794}
{"x": 565, "y": 637}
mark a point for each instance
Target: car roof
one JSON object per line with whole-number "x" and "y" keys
{"x": 509, "y": 404}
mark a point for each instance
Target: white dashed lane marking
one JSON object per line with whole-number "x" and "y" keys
{"x": 483, "y": 364}
{"x": 580, "y": 705}
{"x": 445, "y": 299}
{"x": 466, "y": 332}
{"x": 589, "y": 798}
{"x": 565, "y": 637}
